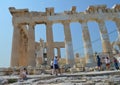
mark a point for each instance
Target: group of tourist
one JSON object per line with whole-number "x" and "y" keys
{"x": 55, "y": 66}
{"x": 54, "y": 69}
{"x": 107, "y": 62}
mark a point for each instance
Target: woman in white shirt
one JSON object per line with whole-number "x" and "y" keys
{"x": 107, "y": 61}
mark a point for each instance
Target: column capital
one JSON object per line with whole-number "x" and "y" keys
{"x": 100, "y": 21}
{"x": 65, "y": 22}
{"x": 31, "y": 25}
{"x": 48, "y": 23}
{"x": 84, "y": 21}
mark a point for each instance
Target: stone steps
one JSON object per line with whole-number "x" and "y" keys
{"x": 81, "y": 78}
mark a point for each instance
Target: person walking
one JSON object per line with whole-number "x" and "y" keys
{"x": 116, "y": 63}
{"x": 56, "y": 66}
{"x": 98, "y": 62}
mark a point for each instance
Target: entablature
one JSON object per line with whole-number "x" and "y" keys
{"x": 93, "y": 13}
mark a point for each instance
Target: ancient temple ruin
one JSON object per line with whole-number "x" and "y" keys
{"x": 24, "y": 46}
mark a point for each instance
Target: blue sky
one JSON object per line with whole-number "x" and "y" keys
{"x": 6, "y": 31}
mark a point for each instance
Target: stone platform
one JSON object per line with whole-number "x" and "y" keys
{"x": 80, "y": 78}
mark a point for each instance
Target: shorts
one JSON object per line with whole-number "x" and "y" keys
{"x": 108, "y": 64}
{"x": 56, "y": 66}
{"x": 51, "y": 67}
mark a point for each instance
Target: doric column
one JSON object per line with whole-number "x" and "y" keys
{"x": 68, "y": 44}
{"x": 104, "y": 37}
{"x": 87, "y": 43}
{"x": 26, "y": 49}
{"x": 58, "y": 52}
{"x": 23, "y": 57}
{"x": 21, "y": 60}
{"x": 31, "y": 45}
{"x": 49, "y": 36}
{"x": 15, "y": 46}
{"x": 117, "y": 21}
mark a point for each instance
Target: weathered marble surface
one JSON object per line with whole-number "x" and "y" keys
{"x": 81, "y": 78}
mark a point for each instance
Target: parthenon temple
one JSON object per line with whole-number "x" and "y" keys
{"x": 24, "y": 47}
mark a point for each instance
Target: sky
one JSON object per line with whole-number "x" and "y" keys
{"x": 6, "y": 31}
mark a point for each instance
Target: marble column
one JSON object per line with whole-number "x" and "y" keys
{"x": 49, "y": 36}
{"x": 31, "y": 45}
{"x": 68, "y": 44}
{"x": 104, "y": 37}
{"x": 26, "y": 49}
{"x": 21, "y": 49}
{"x": 89, "y": 58}
{"x": 15, "y": 46}
{"x": 23, "y": 57}
{"x": 117, "y": 21}
{"x": 58, "y": 52}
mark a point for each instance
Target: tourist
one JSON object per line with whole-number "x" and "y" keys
{"x": 107, "y": 61}
{"x": 116, "y": 63}
{"x": 56, "y": 66}
{"x": 99, "y": 62}
{"x": 23, "y": 74}
{"x": 51, "y": 66}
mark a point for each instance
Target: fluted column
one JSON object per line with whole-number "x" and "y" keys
{"x": 68, "y": 44}
{"x": 26, "y": 49}
{"x": 23, "y": 57}
{"x": 49, "y": 36}
{"x": 15, "y": 46}
{"x": 58, "y": 52}
{"x": 31, "y": 45}
{"x": 21, "y": 49}
{"x": 117, "y": 21}
{"x": 104, "y": 37}
{"x": 87, "y": 43}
